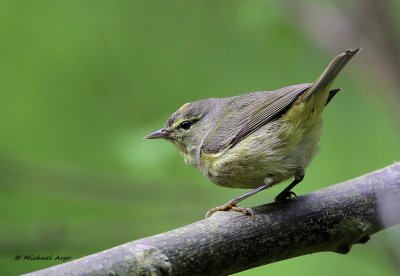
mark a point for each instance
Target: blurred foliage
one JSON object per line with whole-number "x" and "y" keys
{"x": 83, "y": 81}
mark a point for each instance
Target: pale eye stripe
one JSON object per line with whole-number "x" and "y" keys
{"x": 177, "y": 123}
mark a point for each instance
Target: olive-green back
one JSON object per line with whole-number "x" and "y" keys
{"x": 245, "y": 114}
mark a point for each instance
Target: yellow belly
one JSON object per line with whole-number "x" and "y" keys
{"x": 279, "y": 150}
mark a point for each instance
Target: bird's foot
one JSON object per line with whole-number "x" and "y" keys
{"x": 285, "y": 195}
{"x": 230, "y": 206}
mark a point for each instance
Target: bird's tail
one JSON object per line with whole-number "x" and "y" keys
{"x": 328, "y": 76}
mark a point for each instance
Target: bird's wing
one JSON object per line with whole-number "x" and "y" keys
{"x": 247, "y": 113}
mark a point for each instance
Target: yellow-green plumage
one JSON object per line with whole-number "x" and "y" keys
{"x": 278, "y": 150}
{"x": 255, "y": 140}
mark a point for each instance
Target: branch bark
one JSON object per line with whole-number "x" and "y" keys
{"x": 331, "y": 219}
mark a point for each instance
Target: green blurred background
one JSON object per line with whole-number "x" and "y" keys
{"x": 83, "y": 81}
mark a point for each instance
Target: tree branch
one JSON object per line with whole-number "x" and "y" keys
{"x": 331, "y": 219}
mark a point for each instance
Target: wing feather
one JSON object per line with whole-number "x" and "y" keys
{"x": 245, "y": 114}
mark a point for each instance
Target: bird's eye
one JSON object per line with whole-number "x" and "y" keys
{"x": 186, "y": 124}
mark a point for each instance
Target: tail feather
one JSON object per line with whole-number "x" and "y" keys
{"x": 330, "y": 73}
{"x": 332, "y": 94}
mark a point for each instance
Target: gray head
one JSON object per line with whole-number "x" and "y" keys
{"x": 189, "y": 125}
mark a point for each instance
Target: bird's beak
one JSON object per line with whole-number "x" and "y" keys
{"x": 161, "y": 133}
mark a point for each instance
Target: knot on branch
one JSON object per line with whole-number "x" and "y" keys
{"x": 349, "y": 232}
{"x": 149, "y": 260}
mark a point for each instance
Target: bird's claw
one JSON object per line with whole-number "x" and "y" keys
{"x": 230, "y": 206}
{"x": 286, "y": 195}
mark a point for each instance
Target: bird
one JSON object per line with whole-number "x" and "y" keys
{"x": 254, "y": 140}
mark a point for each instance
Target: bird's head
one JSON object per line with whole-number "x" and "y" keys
{"x": 188, "y": 126}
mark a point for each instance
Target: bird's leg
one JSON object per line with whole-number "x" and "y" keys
{"x": 231, "y": 205}
{"x": 287, "y": 193}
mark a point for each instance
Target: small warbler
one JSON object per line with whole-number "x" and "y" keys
{"x": 256, "y": 140}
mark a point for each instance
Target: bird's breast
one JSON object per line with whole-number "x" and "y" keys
{"x": 278, "y": 150}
